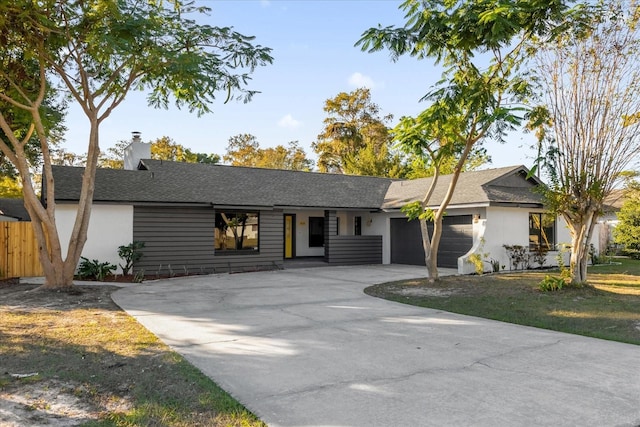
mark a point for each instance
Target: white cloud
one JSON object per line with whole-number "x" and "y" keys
{"x": 265, "y": 3}
{"x": 289, "y": 122}
{"x": 359, "y": 80}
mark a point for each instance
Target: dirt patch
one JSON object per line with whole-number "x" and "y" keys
{"x": 30, "y": 297}
{"x": 72, "y": 357}
{"x": 29, "y": 392}
{"x": 47, "y": 402}
{"x": 426, "y": 292}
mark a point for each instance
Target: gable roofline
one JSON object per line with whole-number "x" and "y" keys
{"x": 516, "y": 170}
{"x": 496, "y": 186}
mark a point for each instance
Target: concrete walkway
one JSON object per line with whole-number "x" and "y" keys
{"x": 306, "y": 347}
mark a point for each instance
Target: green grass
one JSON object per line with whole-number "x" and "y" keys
{"x": 607, "y": 308}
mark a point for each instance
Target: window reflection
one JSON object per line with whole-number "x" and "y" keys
{"x": 236, "y": 231}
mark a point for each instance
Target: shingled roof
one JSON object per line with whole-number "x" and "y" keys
{"x": 177, "y": 182}
{"x": 14, "y": 208}
{"x": 507, "y": 185}
{"x": 160, "y": 181}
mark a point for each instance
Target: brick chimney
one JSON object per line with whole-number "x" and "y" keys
{"x": 136, "y": 151}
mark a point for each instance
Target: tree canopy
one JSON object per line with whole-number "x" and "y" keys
{"x": 627, "y": 231}
{"x": 481, "y": 45}
{"x": 355, "y": 139}
{"x": 93, "y": 54}
{"x": 163, "y": 148}
{"x": 10, "y": 188}
{"x": 244, "y": 150}
{"x": 588, "y": 118}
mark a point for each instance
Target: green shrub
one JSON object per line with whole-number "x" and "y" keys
{"x": 130, "y": 254}
{"x": 631, "y": 253}
{"x": 94, "y": 269}
{"x": 551, "y": 284}
{"x": 478, "y": 263}
{"x": 139, "y": 276}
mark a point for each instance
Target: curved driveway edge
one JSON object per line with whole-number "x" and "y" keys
{"x": 306, "y": 347}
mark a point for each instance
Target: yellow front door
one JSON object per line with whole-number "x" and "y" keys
{"x": 289, "y": 225}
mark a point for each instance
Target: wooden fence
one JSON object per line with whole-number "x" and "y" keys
{"x": 18, "y": 250}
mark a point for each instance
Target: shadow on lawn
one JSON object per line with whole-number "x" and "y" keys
{"x": 91, "y": 353}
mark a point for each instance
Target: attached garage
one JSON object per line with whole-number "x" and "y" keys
{"x": 406, "y": 241}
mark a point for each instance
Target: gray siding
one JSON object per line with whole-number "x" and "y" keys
{"x": 177, "y": 239}
{"x": 181, "y": 239}
{"x": 348, "y": 250}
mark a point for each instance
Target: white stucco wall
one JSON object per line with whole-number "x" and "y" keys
{"x": 510, "y": 226}
{"x": 346, "y": 220}
{"x": 302, "y": 233}
{"x": 110, "y": 226}
{"x": 492, "y": 228}
{"x": 379, "y": 224}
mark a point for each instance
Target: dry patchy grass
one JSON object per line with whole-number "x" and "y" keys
{"x": 77, "y": 359}
{"x": 608, "y": 308}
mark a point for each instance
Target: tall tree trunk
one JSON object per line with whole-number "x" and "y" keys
{"x": 581, "y": 229}
{"x": 430, "y": 246}
{"x": 59, "y": 271}
{"x": 430, "y": 257}
{"x": 430, "y": 260}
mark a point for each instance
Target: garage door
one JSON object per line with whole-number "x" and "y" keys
{"x": 406, "y": 241}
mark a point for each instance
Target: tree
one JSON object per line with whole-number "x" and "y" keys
{"x": 244, "y": 150}
{"x": 95, "y": 53}
{"x": 473, "y": 101}
{"x": 114, "y": 157}
{"x": 420, "y": 165}
{"x": 589, "y": 118}
{"x": 627, "y": 231}
{"x": 207, "y": 158}
{"x": 52, "y": 114}
{"x": 355, "y": 139}
{"x": 62, "y": 157}
{"x": 163, "y": 148}
{"x": 292, "y": 157}
{"x": 10, "y": 187}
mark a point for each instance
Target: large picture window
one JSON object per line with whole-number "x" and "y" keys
{"x": 236, "y": 231}
{"x": 542, "y": 231}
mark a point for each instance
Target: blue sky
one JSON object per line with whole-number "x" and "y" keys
{"x": 314, "y": 60}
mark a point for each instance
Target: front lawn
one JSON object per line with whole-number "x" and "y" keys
{"x": 608, "y": 308}
{"x": 75, "y": 358}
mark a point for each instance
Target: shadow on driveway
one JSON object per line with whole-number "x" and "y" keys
{"x": 306, "y": 347}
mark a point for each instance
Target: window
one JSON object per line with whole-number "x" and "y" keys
{"x": 357, "y": 226}
{"x": 542, "y": 231}
{"x": 316, "y": 231}
{"x": 236, "y": 231}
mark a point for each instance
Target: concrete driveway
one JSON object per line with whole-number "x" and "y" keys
{"x": 306, "y": 347}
